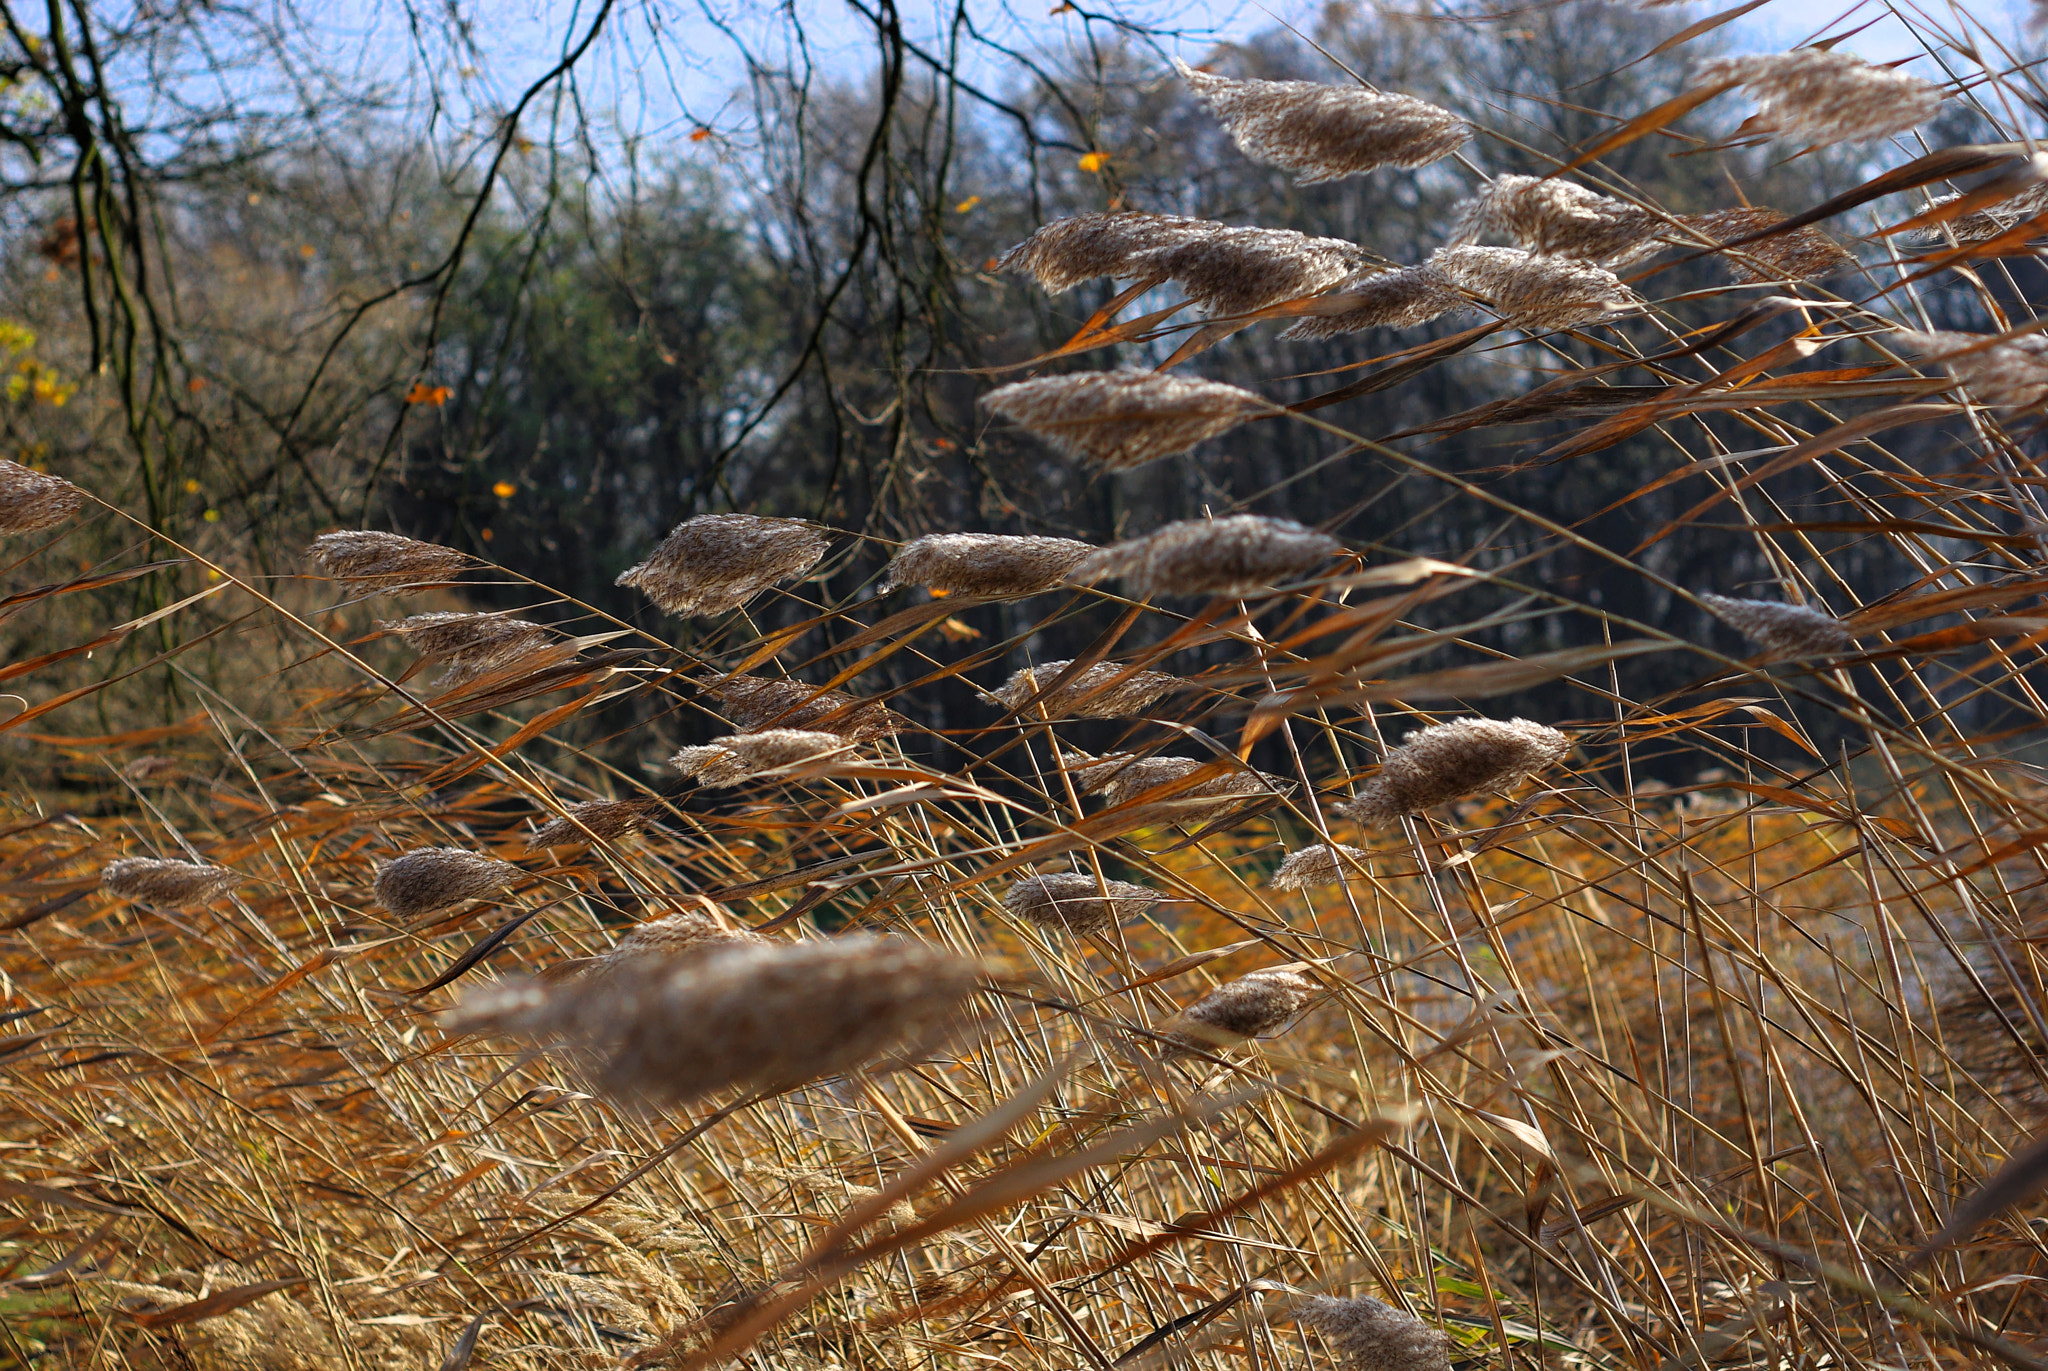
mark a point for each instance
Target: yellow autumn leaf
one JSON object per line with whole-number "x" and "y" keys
{"x": 1095, "y": 161}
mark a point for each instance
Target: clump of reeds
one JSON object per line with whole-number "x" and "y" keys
{"x": 1322, "y": 864}
{"x": 1804, "y": 254}
{"x": 1824, "y": 96}
{"x": 1535, "y": 294}
{"x": 1106, "y": 690}
{"x": 1399, "y": 298}
{"x": 1077, "y": 901}
{"x": 434, "y": 878}
{"x": 1068, "y": 252}
{"x": 1123, "y": 419}
{"x": 1236, "y": 271}
{"x": 755, "y": 703}
{"x": 762, "y": 1015}
{"x": 740, "y": 757}
{"x": 1325, "y": 132}
{"x": 1556, "y": 218}
{"x": 471, "y": 645}
{"x": 591, "y": 821}
{"x": 991, "y": 565}
{"x": 366, "y": 559}
{"x": 1235, "y": 555}
{"x": 1370, "y": 1335}
{"x": 1252, "y": 1006}
{"x": 1785, "y": 630}
{"x": 1450, "y": 761}
{"x": 32, "y": 500}
{"x": 718, "y": 562}
{"x": 165, "y": 884}
{"x": 2006, "y": 373}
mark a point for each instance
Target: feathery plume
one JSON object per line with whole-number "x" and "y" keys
{"x": 683, "y": 933}
{"x": 1238, "y": 1011}
{"x": 1327, "y": 132}
{"x": 1121, "y": 777}
{"x": 166, "y": 884}
{"x": 32, "y": 500}
{"x": 1784, "y": 630}
{"x": 1804, "y": 254}
{"x": 1449, "y": 761}
{"x": 1236, "y": 271}
{"x": 1074, "y": 901}
{"x": 1369, "y": 1335}
{"x": 993, "y": 565}
{"x": 766, "y": 1016}
{"x": 472, "y": 645}
{"x": 1553, "y": 218}
{"x": 1119, "y": 420}
{"x": 432, "y": 878}
{"x": 718, "y": 562}
{"x": 755, "y": 703}
{"x": 1989, "y": 222}
{"x": 1068, "y": 252}
{"x": 151, "y": 769}
{"x": 731, "y": 760}
{"x": 1823, "y": 96}
{"x": 1095, "y": 693}
{"x": 1535, "y": 294}
{"x": 604, "y": 820}
{"x": 1401, "y": 298}
{"x": 2006, "y": 373}
{"x": 1319, "y": 865}
{"x": 1235, "y": 555}
{"x": 364, "y": 559}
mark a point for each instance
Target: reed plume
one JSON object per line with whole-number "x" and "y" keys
{"x": 1119, "y": 420}
{"x": 434, "y": 878}
{"x": 767, "y": 1016}
{"x": 165, "y": 884}
{"x": 151, "y": 770}
{"x": 364, "y": 559}
{"x": 1804, "y": 254}
{"x": 1785, "y": 630}
{"x": 471, "y": 645}
{"x": 33, "y": 500}
{"x": 1251, "y": 1006}
{"x": 729, "y": 761}
{"x": 1824, "y": 96}
{"x": 757, "y": 703}
{"x": 1069, "y": 252}
{"x": 591, "y": 821}
{"x": 1235, "y": 555}
{"x": 686, "y": 932}
{"x": 1324, "y": 132}
{"x": 717, "y": 562}
{"x": 1553, "y": 218}
{"x": 1121, "y": 777}
{"x": 2005, "y": 373}
{"x": 1401, "y": 298}
{"x": 1322, "y": 864}
{"x": 1989, "y": 222}
{"x": 1535, "y": 294}
{"x": 1094, "y": 693}
{"x": 1236, "y": 271}
{"x": 995, "y": 566}
{"x": 1368, "y": 1335}
{"x": 1450, "y": 761}
{"x": 1075, "y": 901}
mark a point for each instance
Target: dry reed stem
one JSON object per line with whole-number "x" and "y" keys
{"x": 992, "y": 565}
{"x": 1327, "y": 132}
{"x": 1089, "y": 695}
{"x": 433, "y": 878}
{"x": 717, "y": 562}
{"x": 165, "y": 884}
{"x": 2005, "y": 373}
{"x": 1240, "y": 554}
{"x": 740, "y": 757}
{"x": 1553, "y": 218}
{"x": 1320, "y": 865}
{"x": 1823, "y": 96}
{"x": 365, "y": 559}
{"x": 1450, "y": 761}
{"x": 1074, "y": 901}
{"x": 1805, "y": 254}
{"x": 1401, "y": 298}
{"x": 1069, "y": 252}
{"x": 1535, "y": 294}
{"x": 1786, "y": 630}
{"x": 1252, "y": 1006}
{"x": 1119, "y": 420}
{"x": 755, "y": 703}
{"x": 33, "y": 500}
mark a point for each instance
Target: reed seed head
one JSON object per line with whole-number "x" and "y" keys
{"x": 1068, "y": 252}
{"x": 365, "y": 559}
{"x": 1074, "y": 901}
{"x": 766, "y": 1016}
{"x": 433, "y": 878}
{"x": 166, "y": 884}
{"x": 1236, "y": 271}
{"x": 729, "y": 761}
{"x": 1785, "y": 630}
{"x": 755, "y": 703}
{"x": 1121, "y": 777}
{"x": 1324, "y": 132}
{"x": 1449, "y": 761}
{"x": 1118, "y": 420}
{"x": 588, "y": 820}
{"x": 1369, "y": 1335}
{"x": 1095, "y": 693}
{"x": 1553, "y": 218}
{"x": 152, "y": 770}
{"x": 1535, "y": 294}
{"x": 1237, "y": 1011}
{"x": 472, "y": 645}
{"x": 1323, "y": 864}
{"x": 1401, "y": 298}
{"x": 1804, "y": 254}
{"x": 686, "y": 932}
{"x": 996, "y": 566}
{"x": 1823, "y": 96}
{"x": 1981, "y": 224}
{"x": 1235, "y": 555}
{"x": 718, "y": 562}
{"x": 32, "y": 500}
{"x": 2006, "y": 373}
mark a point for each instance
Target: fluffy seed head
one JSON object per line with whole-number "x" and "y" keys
{"x": 1826, "y": 97}
{"x": 165, "y": 884}
{"x": 1401, "y": 298}
{"x": 995, "y": 565}
{"x": 1121, "y": 777}
{"x": 432, "y": 878}
{"x": 1449, "y": 761}
{"x": 1118, "y": 420}
{"x": 686, "y": 932}
{"x": 1989, "y": 222}
{"x": 1804, "y": 254}
{"x": 2010, "y": 373}
{"x": 606, "y": 819}
{"x": 1236, "y": 555}
{"x": 1371, "y": 1336}
{"x": 1096, "y": 693}
{"x": 1238, "y": 270}
{"x": 1073, "y": 900}
{"x": 364, "y": 559}
{"x": 32, "y": 500}
{"x": 760, "y": 1015}
{"x": 472, "y": 645}
{"x": 718, "y": 562}
{"x": 1553, "y": 218}
{"x": 755, "y": 703}
{"x": 151, "y": 770}
{"x": 1326, "y": 132}
{"x": 731, "y": 760}
{"x": 1319, "y": 865}
{"x": 1068, "y": 252}
{"x": 1784, "y": 630}
{"x": 1240, "y": 1010}
{"x": 1535, "y": 294}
